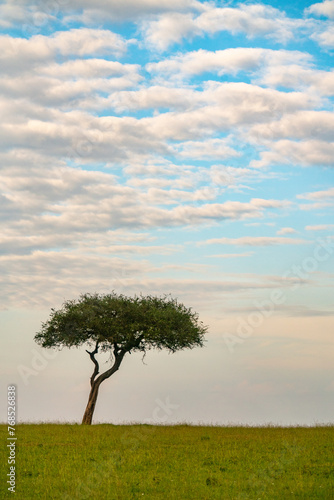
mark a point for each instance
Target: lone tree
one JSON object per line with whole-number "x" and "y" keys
{"x": 120, "y": 324}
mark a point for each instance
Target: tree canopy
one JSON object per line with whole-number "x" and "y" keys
{"x": 120, "y": 324}
{"x": 133, "y": 323}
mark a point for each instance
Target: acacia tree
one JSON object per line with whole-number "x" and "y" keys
{"x": 119, "y": 325}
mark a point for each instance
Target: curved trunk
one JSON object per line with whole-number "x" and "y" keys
{"x": 95, "y": 384}
{"x": 88, "y": 415}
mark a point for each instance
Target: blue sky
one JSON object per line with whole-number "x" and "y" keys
{"x": 178, "y": 147}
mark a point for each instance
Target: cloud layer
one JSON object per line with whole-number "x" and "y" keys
{"x": 123, "y": 122}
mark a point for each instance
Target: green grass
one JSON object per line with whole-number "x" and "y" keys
{"x": 170, "y": 462}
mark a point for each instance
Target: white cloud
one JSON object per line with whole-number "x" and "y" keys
{"x": 153, "y": 97}
{"x": 320, "y": 227}
{"x": 255, "y": 241}
{"x": 184, "y": 215}
{"x": 158, "y": 196}
{"x": 326, "y": 194}
{"x": 57, "y": 207}
{"x": 252, "y": 20}
{"x": 325, "y": 38}
{"x": 164, "y": 173}
{"x": 32, "y": 18}
{"x": 85, "y": 41}
{"x": 133, "y": 8}
{"x": 286, "y": 230}
{"x": 324, "y": 34}
{"x": 256, "y": 224}
{"x": 303, "y": 153}
{"x": 44, "y": 278}
{"x": 312, "y": 125}
{"x": 322, "y": 199}
{"x": 169, "y": 29}
{"x": 19, "y": 54}
{"x": 86, "y": 137}
{"x": 294, "y": 76}
{"x": 228, "y": 105}
{"x": 210, "y": 148}
{"x": 233, "y": 255}
{"x": 325, "y": 8}
{"x": 236, "y": 178}
{"x": 316, "y": 206}
{"x": 10, "y": 13}
{"x": 79, "y": 92}
{"x": 88, "y": 68}
{"x": 229, "y": 61}
{"x": 231, "y": 100}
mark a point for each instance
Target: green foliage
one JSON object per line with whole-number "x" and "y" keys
{"x": 124, "y": 462}
{"x": 129, "y": 323}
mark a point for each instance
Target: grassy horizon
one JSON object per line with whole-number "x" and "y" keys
{"x": 182, "y": 461}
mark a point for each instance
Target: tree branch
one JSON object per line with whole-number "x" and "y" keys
{"x": 132, "y": 343}
{"x": 119, "y": 353}
{"x": 118, "y": 360}
{"x": 116, "y": 349}
{"x": 92, "y": 357}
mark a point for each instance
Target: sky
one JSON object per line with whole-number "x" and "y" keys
{"x": 171, "y": 147}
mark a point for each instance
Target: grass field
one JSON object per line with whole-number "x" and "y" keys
{"x": 56, "y": 461}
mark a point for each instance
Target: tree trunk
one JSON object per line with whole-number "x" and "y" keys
{"x": 95, "y": 384}
{"x": 88, "y": 415}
